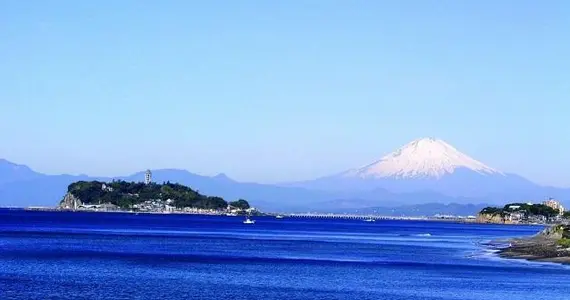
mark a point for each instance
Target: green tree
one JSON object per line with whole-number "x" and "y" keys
{"x": 529, "y": 209}
{"x": 491, "y": 210}
{"x": 240, "y": 204}
{"x": 125, "y": 194}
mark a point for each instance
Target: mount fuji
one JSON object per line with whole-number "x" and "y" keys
{"x": 432, "y": 165}
{"x": 423, "y": 158}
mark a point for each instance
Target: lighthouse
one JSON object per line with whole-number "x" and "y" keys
{"x": 147, "y": 177}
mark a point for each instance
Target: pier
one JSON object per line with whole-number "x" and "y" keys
{"x": 376, "y": 217}
{"x": 350, "y": 216}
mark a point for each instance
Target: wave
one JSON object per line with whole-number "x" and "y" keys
{"x": 253, "y": 235}
{"x": 416, "y": 235}
{"x": 490, "y": 251}
{"x": 174, "y": 259}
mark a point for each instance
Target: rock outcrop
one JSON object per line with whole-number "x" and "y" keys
{"x": 490, "y": 218}
{"x": 555, "y": 232}
{"x": 70, "y": 202}
{"x": 551, "y": 244}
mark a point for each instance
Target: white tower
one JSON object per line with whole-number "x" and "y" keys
{"x": 148, "y": 177}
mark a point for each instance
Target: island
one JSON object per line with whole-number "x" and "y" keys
{"x": 147, "y": 197}
{"x": 521, "y": 213}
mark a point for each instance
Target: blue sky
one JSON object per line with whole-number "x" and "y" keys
{"x": 282, "y": 90}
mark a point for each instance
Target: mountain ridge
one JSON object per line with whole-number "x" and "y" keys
{"x": 10, "y": 172}
{"x": 424, "y": 170}
{"x": 48, "y": 190}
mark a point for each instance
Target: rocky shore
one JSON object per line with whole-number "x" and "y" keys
{"x": 549, "y": 246}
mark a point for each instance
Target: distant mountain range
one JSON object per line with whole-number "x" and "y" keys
{"x": 20, "y": 188}
{"x": 427, "y": 171}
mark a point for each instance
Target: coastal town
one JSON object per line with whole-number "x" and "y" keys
{"x": 160, "y": 206}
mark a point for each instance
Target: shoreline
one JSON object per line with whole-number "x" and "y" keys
{"x": 542, "y": 247}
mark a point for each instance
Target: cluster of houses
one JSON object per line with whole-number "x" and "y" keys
{"x": 234, "y": 211}
{"x": 98, "y": 207}
{"x": 157, "y": 205}
{"x": 164, "y": 206}
{"x": 518, "y": 216}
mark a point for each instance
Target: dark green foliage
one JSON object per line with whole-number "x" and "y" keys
{"x": 566, "y": 232}
{"x": 492, "y": 210}
{"x": 241, "y": 204}
{"x": 567, "y": 214}
{"x": 533, "y": 209}
{"x": 125, "y": 194}
{"x": 564, "y": 242}
{"x": 87, "y": 190}
{"x": 544, "y": 210}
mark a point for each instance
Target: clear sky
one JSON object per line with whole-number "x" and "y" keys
{"x": 282, "y": 90}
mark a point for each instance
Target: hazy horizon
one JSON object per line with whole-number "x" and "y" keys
{"x": 274, "y": 92}
{"x": 135, "y": 172}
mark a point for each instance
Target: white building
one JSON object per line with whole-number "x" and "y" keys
{"x": 148, "y": 177}
{"x": 554, "y": 204}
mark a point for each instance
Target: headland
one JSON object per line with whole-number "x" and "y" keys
{"x": 550, "y": 245}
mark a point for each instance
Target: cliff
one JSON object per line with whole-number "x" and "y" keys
{"x": 70, "y": 201}
{"x": 491, "y": 218}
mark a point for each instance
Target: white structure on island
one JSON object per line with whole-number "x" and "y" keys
{"x": 555, "y": 205}
{"x": 147, "y": 177}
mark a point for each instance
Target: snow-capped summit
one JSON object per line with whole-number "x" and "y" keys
{"x": 427, "y": 170}
{"x": 422, "y": 158}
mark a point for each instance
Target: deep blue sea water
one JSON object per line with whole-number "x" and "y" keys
{"x": 56, "y": 255}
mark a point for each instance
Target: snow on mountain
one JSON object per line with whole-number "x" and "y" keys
{"x": 429, "y": 165}
{"x": 422, "y": 158}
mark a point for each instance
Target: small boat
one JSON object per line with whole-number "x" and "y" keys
{"x": 249, "y": 221}
{"x": 369, "y": 220}
{"x": 278, "y": 217}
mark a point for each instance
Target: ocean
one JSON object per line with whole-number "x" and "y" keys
{"x": 66, "y": 255}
